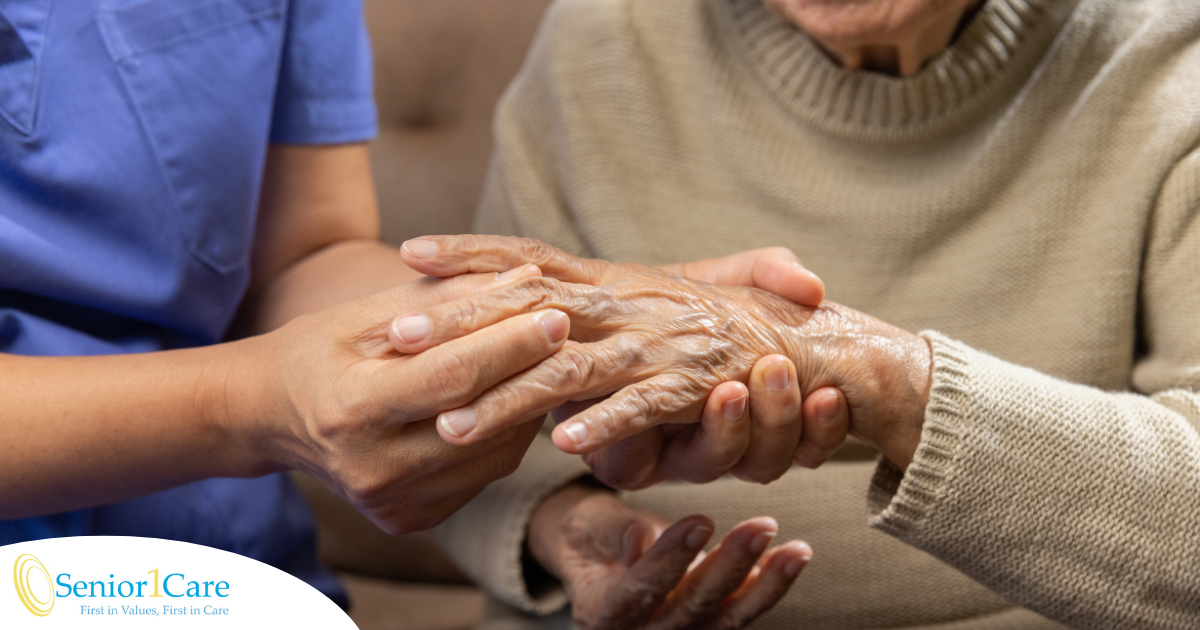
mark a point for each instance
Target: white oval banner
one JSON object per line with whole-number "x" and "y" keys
{"x": 118, "y": 582}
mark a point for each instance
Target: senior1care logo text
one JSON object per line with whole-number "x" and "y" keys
{"x": 102, "y": 581}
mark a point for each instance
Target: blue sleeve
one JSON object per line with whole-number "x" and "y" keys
{"x": 325, "y": 93}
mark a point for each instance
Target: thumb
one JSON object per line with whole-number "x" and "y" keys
{"x": 774, "y": 269}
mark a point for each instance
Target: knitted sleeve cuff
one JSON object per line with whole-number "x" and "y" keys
{"x": 898, "y": 501}
{"x": 486, "y": 539}
{"x": 1056, "y": 495}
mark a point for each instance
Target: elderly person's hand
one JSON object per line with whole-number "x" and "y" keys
{"x": 659, "y": 343}
{"x": 340, "y": 403}
{"x": 625, "y": 569}
{"x": 754, "y": 432}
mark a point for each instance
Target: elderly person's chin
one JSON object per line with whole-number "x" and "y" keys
{"x": 891, "y": 36}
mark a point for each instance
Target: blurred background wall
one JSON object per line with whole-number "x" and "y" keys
{"x": 440, "y": 67}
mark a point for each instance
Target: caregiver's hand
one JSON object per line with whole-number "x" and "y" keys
{"x": 625, "y": 569}
{"x": 662, "y": 343}
{"x": 754, "y": 432}
{"x": 329, "y": 395}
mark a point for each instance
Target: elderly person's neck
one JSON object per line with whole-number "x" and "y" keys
{"x": 895, "y": 37}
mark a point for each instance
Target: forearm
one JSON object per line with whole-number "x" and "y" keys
{"x": 86, "y": 431}
{"x": 1068, "y": 500}
{"x": 335, "y": 274}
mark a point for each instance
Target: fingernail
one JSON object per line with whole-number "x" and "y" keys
{"x": 412, "y": 329}
{"x": 511, "y": 273}
{"x": 698, "y": 537}
{"x": 420, "y": 248}
{"x": 778, "y": 377}
{"x": 556, "y": 324}
{"x": 577, "y": 432}
{"x": 828, "y": 409}
{"x": 459, "y": 422}
{"x": 759, "y": 543}
{"x": 733, "y": 409}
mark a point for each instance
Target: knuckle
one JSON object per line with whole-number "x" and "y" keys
{"x": 540, "y": 292}
{"x": 646, "y": 400}
{"x": 575, "y": 366}
{"x": 346, "y": 413}
{"x": 502, "y": 400}
{"x": 450, "y": 378}
{"x": 780, "y": 252}
{"x": 465, "y": 315}
{"x": 536, "y": 251}
{"x": 365, "y": 491}
{"x": 695, "y": 608}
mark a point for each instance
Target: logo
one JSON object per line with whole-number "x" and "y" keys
{"x": 29, "y": 572}
{"x": 125, "y": 583}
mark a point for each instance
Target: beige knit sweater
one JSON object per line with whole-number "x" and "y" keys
{"x": 1033, "y": 195}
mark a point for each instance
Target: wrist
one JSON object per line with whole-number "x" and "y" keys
{"x": 884, "y": 372}
{"x": 544, "y": 537}
{"x": 239, "y": 404}
{"x": 902, "y": 427}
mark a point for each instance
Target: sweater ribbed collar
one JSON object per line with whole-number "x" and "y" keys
{"x": 992, "y": 57}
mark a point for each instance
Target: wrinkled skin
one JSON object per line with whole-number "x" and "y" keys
{"x": 659, "y": 343}
{"x": 625, "y": 569}
{"x": 773, "y": 431}
{"x": 892, "y": 36}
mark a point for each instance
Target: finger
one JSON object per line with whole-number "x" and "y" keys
{"x": 417, "y": 331}
{"x": 455, "y": 373}
{"x": 432, "y": 291}
{"x": 774, "y": 269}
{"x": 631, "y": 410}
{"x": 701, "y": 593}
{"x": 775, "y": 414}
{"x": 651, "y": 578}
{"x": 576, "y": 372}
{"x": 443, "y": 256}
{"x": 766, "y": 585}
{"x": 826, "y": 424}
{"x": 719, "y": 442}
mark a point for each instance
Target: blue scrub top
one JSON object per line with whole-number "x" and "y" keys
{"x": 131, "y": 155}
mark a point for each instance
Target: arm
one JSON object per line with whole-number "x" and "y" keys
{"x": 1056, "y": 495}
{"x": 87, "y": 431}
{"x": 1078, "y": 503}
{"x": 317, "y": 237}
